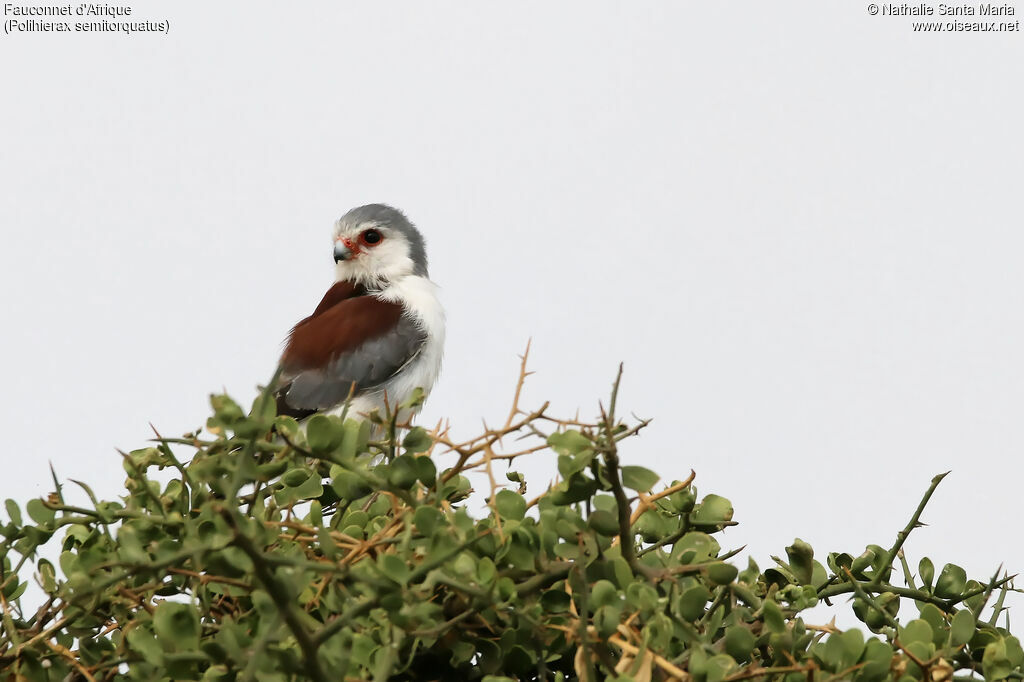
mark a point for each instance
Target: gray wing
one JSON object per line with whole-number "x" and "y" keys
{"x": 363, "y": 368}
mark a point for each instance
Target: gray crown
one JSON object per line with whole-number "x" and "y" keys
{"x": 388, "y": 217}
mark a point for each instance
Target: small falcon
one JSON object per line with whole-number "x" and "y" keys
{"x": 378, "y": 333}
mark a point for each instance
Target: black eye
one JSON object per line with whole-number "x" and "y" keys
{"x": 372, "y": 237}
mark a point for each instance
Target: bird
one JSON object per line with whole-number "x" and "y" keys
{"x": 378, "y": 333}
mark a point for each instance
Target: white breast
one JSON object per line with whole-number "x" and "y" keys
{"x": 418, "y": 296}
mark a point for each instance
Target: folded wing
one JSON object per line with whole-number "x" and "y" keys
{"x": 353, "y": 342}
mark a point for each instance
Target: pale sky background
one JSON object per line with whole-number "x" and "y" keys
{"x": 797, "y": 224}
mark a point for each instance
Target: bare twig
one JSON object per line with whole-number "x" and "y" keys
{"x": 902, "y": 536}
{"x": 610, "y": 450}
{"x": 72, "y": 659}
{"x": 676, "y": 672}
{"x": 647, "y": 501}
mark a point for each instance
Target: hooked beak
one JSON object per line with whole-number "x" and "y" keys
{"x": 341, "y": 251}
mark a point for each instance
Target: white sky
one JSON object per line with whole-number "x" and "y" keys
{"x": 797, "y": 224}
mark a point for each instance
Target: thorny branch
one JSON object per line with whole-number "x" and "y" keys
{"x": 334, "y": 556}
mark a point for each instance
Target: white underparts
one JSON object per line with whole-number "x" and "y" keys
{"x": 418, "y": 297}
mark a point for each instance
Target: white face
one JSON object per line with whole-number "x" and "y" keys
{"x": 370, "y": 253}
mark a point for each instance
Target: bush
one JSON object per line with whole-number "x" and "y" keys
{"x": 341, "y": 552}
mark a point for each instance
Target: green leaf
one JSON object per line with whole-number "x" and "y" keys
{"x": 977, "y": 601}
{"x": 642, "y": 596}
{"x": 654, "y": 525}
{"x": 39, "y": 512}
{"x": 621, "y": 573}
{"x": 719, "y": 667}
{"x": 13, "y": 512}
{"x": 995, "y": 662}
{"x": 296, "y": 477}
{"x": 926, "y": 569}
{"x": 403, "y": 473}
{"x": 362, "y": 649}
{"x": 176, "y": 626}
{"x": 414, "y": 400}
{"x": 606, "y": 619}
{"x": 217, "y": 673}
{"x": 488, "y": 656}
{"x": 841, "y": 650}
{"x": 355, "y": 436}
{"x": 934, "y": 617}
{"x": 350, "y": 486}
{"x": 692, "y": 602}
{"x": 505, "y": 587}
{"x": 1014, "y": 651}
{"x": 852, "y": 644}
{"x": 837, "y": 561}
{"x": 394, "y": 568}
{"x": 603, "y": 522}
{"x": 323, "y": 433}
{"x": 951, "y": 583}
{"x": 569, "y": 465}
{"x": 916, "y": 631}
{"x": 271, "y": 470}
{"x": 426, "y": 471}
{"x": 604, "y": 593}
{"x": 308, "y": 489}
{"x": 555, "y": 601}
{"x": 48, "y": 576}
{"x": 264, "y": 408}
{"x": 290, "y": 429}
{"x": 712, "y": 510}
{"x": 697, "y": 545}
{"x": 682, "y": 501}
{"x": 417, "y": 440}
{"x": 573, "y": 490}
{"x": 638, "y": 478}
{"x": 142, "y": 641}
{"x": 739, "y": 642}
{"x": 465, "y": 565}
{"x": 316, "y": 514}
{"x": 746, "y": 595}
{"x": 14, "y": 589}
{"x": 877, "y": 659}
{"x": 722, "y": 573}
{"x": 801, "y": 561}
{"x": 862, "y": 562}
{"x": 570, "y": 442}
{"x": 773, "y": 620}
{"x": 226, "y": 410}
{"x": 510, "y": 505}
{"x": 486, "y": 572}
{"x": 427, "y": 519}
{"x": 962, "y": 628}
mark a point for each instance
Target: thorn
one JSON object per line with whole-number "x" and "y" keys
{"x": 159, "y": 437}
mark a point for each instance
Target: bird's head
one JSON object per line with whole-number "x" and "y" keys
{"x": 376, "y": 244}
